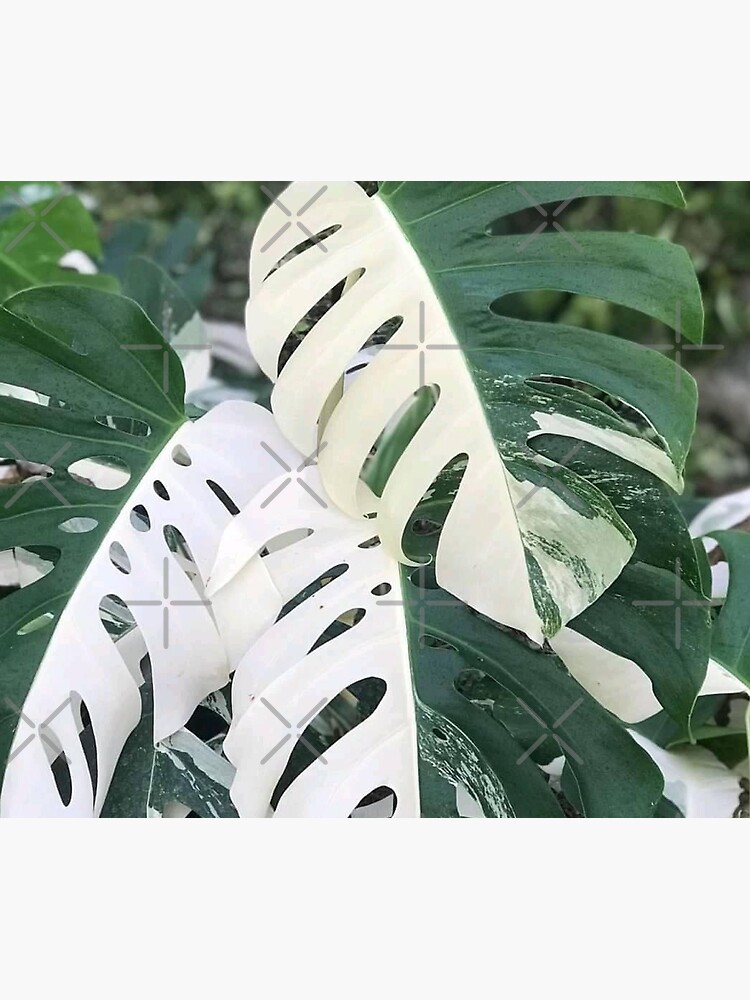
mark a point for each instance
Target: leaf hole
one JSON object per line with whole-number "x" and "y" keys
{"x": 380, "y": 803}
{"x": 126, "y": 425}
{"x": 307, "y": 244}
{"x": 22, "y": 566}
{"x": 343, "y": 713}
{"x": 78, "y": 525}
{"x": 285, "y": 540}
{"x": 119, "y": 558}
{"x": 178, "y": 546}
{"x": 313, "y": 588}
{"x": 180, "y": 456}
{"x": 87, "y": 739}
{"x": 58, "y": 764}
{"x": 104, "y": 472}
{"x": 139, "y": 518}
{"x": 314, "y": 315}
{"x": 370, "y": 543}
{"x": 37, "y": 624}
{"x": 345, "y": 621}
{"x": 221, "y": 494}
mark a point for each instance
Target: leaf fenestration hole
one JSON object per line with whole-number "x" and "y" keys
{"x": 78, "y": 525}
{"x": 370, "y": 543}
{"x": 307, "y": 244}
{"x": 139, "y": 518}
{"x": 180, "y": 456}
{"x": 58, "y": 764}
{"x": 104, "y": 472}
{"x": 343, "y": 713}
{"x": 119, "y": 558}
{"x": 221, "y": 494}
{"x": 178, "y": 546}
{"x": 87, "y": 738}
{"x": 380, "y": 803}
{"x": 126, "y": 425}
{"x": 314, "y": 315}
{"x": 23, "y": 566}
{"x": 36, "y": 624}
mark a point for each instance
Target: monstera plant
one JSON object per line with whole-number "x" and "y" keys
{"x": 446, "y": 574}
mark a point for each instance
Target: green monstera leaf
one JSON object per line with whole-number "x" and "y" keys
{"x": 38, "y": 228}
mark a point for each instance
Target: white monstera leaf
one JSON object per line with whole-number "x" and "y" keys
{"x": 527, "y": 541}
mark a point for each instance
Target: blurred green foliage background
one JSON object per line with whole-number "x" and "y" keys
{"x": 715, "y": 229}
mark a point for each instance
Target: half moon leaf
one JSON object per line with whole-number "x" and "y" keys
{"x": 527, "y": 541}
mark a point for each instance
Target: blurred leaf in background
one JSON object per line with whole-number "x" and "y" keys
{"x": 46, "y": 236}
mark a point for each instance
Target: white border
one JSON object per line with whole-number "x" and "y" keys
{"x": 227, "y": 90}
{"x": 376, "y": 909}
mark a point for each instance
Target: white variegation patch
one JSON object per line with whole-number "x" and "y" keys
{"x": 281, "y": 677}
{"x": 695, "y": 780}
{"x": 482, "y": 553}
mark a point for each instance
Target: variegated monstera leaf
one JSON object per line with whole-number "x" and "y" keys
{"x": 527, "y": 540}
{"x": 112, "y": 539}
{"x": 377, "y": 691}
